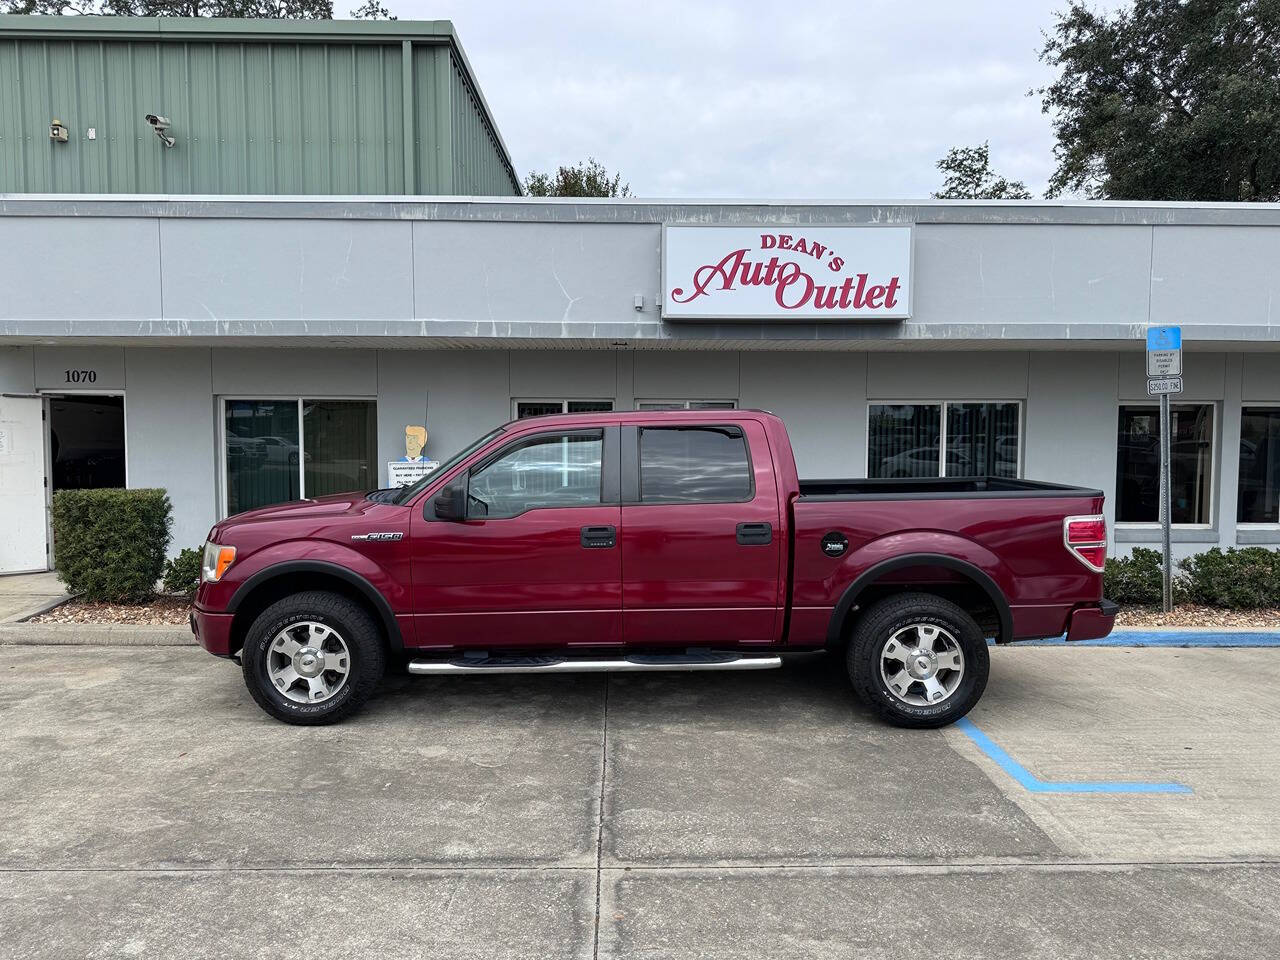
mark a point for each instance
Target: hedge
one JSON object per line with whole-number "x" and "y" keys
{"x": 182, "y": 573}
{"x": 1238, "y": 579}
{"x": 110, "y": 545}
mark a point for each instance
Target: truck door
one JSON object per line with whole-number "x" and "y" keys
{"x": 700, "y": 535}
{"x": 535, "y": 562}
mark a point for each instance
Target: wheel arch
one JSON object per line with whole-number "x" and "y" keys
{"x": 841, "y": 615}
{"x": 293, "y": 576}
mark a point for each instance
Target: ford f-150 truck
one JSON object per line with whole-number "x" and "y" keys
{"x": 648, "y": 541}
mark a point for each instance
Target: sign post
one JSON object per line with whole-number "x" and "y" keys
{"x": 1164, "y": 377}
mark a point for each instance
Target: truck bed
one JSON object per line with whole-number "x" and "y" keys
{"x": 937, "y": 488}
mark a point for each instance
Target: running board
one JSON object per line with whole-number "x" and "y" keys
{"x": 631, "y": 664}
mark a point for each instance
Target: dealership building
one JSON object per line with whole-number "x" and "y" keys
{"x": 192, "y": 318}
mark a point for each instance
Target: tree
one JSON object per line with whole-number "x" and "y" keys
{"x": 589, "y": 179}
{"x": 1166, "y": 100}
{"x": 253, "y": 9}
{"x": 969, "y": 177}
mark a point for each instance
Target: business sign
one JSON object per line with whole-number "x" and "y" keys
{"x": 1164, "y": 352}
{"x": 786, "y": 273}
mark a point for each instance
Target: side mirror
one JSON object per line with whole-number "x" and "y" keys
{"x": 451, "y": 502}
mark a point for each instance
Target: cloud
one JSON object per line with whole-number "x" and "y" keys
{"x": 762, "y": 100}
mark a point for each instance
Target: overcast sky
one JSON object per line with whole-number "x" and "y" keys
{"x": 753, "y": 99}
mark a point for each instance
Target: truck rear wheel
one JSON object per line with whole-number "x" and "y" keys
{"x": 918, "y": 660}
{"x": 312, "y": 658}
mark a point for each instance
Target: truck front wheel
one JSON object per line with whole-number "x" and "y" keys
{"x": 918, "y": 660}
{"x": 312, "y": 658}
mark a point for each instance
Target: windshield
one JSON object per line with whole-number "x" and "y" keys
{"x": 408, "y": 493}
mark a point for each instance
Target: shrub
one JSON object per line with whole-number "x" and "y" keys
{"x": 1239, "y": 579}
{"x": 110, "y": 545}
{"x": 1135, "y": 579}
{"x": 182, "y": 573}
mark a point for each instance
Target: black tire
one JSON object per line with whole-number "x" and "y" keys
{"x": 877, "y": 626}
{"x": 357, "y": 629}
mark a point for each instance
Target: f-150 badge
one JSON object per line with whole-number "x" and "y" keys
{"x": 380, "y": 536}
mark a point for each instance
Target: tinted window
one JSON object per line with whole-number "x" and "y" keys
{"x": 1138, "y": 463}
{"x": 693, "y": 465}
{"x": 1259, "y": 500}
{"x": 561, "y": 470}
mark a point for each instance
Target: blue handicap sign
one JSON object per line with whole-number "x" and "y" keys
{"x": 1164, "y": 338}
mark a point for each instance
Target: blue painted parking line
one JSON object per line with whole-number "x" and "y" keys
{"x": 1165, "y": 638}
{"x": 1034, "y": 784}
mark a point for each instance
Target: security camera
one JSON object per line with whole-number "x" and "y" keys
{"x": 160, "y": 125}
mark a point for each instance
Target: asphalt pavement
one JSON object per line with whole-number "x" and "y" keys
{"x": 152, "y": 810}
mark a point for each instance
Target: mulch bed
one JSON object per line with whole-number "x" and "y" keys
{"x": 1189, "y": 615}
{"x": 160, "y": 611}
{"x": 173, "y": 611}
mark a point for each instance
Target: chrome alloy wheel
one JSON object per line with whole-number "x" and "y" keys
{"x": 922, "y": 664}
{"x": 308, "y": 662}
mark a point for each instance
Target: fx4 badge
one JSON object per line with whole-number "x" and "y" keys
{"x": 384, "y": 535}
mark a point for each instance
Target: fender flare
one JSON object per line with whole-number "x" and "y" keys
{"x": 363, "y": 586}
{"x": 874, "y": 573}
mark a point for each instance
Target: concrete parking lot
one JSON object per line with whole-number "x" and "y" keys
{"x": 152, "y": 810}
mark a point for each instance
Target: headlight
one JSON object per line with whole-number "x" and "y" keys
{"x": 216, "y": 561}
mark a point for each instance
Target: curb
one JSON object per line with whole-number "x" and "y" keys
{"x": 95, "y": 635}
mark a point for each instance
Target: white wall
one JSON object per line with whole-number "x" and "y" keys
{"x": 169, "y": 429}
{"x": 1071, "y": 401}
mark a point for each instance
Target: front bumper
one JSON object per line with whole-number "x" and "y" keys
{"x": 1092, "y": 623}
{"x": 212, "y": 631}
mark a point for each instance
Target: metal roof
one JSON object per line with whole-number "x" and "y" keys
{"x": 208, "y": 30}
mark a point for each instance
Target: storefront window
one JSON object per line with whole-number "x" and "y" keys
{"x": 686, "y": 404}
{"x": 1138, "y": 463}
{"x": 267, "y": 464}
{"x": 1259, "y": 499}
{"x": 338, "y": 444}
{"x": 541, "y": 408}
{"x": 909, "y": 439}
{"x": 982, "y": 440}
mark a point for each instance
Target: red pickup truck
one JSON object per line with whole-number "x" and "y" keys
{"x": 650, "y": 541}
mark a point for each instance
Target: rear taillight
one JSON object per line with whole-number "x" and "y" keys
{"x": 1086, "y": 537}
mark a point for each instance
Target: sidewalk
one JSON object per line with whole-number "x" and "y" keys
{"x": 26, "y": 594}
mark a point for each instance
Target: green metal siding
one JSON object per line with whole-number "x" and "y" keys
{"x": 478, "y": 165}
{"x": 271, "y": 116}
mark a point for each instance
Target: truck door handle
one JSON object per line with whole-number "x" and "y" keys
{"x": 755, "y": 534}
{"x": 594, "y": 538}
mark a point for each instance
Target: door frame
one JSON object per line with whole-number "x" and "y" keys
{"x": 47, "y": 394}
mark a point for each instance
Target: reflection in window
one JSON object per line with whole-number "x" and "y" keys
{"x": 266, "y": 464}
{"x": 339, "y": 443}
{"x": 982, "y": 439}
{"x": 909, "y": 439}
{"x": 262, "y": 453}
{"x": 553, "y": 471}
{"x": 1138, "y": 463}
{"x": 1259, "y": 500}
{"x": 904, "y": 440}
{"x": 694, "y": 465}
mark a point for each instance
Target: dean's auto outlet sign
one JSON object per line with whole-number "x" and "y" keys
{"x": 786, "y": 273}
